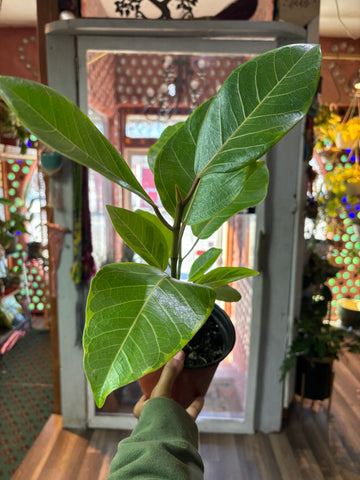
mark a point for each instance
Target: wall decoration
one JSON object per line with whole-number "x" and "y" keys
{"x": 18, "y": 54}
{"x": 339, "y": 68}
{"x": 152, "y": 8}
{"x": 300, "y": 13}
{"x": 260, "y": 10}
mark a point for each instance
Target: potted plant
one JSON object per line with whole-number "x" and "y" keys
{"x": 317, "y": 342}
{"x": 206, "y": 169}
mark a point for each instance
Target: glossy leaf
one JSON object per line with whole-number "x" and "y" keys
{"x": 226, "y": 293}
{"x": 253, "y": 193}
{"x": 203, "y": 263}
{"x": 240, "y": 189}
{"x": 159, "y": 225}
{"x": 174, "y": 164}
{"x": 224, "y": 275}
{"x": 60, "y": 124}
{"x": 142, "y": 235}
{"x": 137, "y": 319}
{"x": 155, "y": 149}
{"x": 258, "y": 103}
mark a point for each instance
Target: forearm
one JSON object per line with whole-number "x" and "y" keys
{"x": 163, "y": 446}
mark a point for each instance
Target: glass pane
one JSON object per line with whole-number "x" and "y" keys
{"x": 139, "y": 94}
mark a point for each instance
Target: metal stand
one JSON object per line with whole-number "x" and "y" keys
{"x": 302, "y": 395}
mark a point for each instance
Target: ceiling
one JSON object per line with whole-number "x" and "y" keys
{"x": 23, "y": 13}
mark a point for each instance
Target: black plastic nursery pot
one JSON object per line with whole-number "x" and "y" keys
{"x": 212, "y": 343}
{"x": 317, "y": 376}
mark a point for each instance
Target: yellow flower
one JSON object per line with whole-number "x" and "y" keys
{"x": 350, "y": 130}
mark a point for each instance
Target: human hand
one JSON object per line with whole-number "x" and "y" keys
{"x": 164, "y": 387}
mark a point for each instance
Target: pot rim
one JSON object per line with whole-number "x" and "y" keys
{"x": 228, "y": 334}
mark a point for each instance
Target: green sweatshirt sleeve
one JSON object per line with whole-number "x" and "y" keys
{"x": 162, "y": 446}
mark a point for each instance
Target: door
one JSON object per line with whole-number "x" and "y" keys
{"x": 131, "y": 75}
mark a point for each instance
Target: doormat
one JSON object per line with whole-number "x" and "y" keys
{"x": 222, "y": 396}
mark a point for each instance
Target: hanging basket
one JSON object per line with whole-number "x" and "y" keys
{"x": 345, "y": 144}
{"x": 329, "y": 155}
{"x": 51, "y": 162}
{"x": 353, "y": 187}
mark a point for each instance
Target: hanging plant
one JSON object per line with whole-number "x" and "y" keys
{"x": 348, "y": 134}
{"x": 325, "y": 132}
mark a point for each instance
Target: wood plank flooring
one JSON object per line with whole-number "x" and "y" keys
{"x": 316, "y": 449}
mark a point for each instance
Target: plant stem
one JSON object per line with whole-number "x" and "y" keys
{"x": 176, "y": 234}
{"x": 179, "y": 228}
{"x": 161, "y": 218}
{"x": 191, "y": 191}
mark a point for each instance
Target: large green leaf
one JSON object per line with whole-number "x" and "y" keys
{"x": 253, "y": 192}
{"x": 203, "y": 263}
{"x": 159, "y": 225}
{"x": 224, "y": 275}
{"x": 142, "y": 235}
{"x": 137, "y": 318}
{"x": 258, "y": 103}
{"x": 60, "y": 124}
{"x": 174, "y": 164}
{"x": 158, "y": 145}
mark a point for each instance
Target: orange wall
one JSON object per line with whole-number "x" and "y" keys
{"x": 18, "y": 53}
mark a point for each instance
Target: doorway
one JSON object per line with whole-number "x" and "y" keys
{"x": 271, "y": 230}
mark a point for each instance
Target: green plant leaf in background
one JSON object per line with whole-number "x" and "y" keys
{"x": 174, "y": 164}
{"x": 60, "y": 124}
{"x": 256, "y": 106}
{"x": 226, "y": 293}
{"x": 137, "y": 312}
{"x": 161, "y": 141}
{"x": 224, "y": 275}
{"x": 203, "y": 263}
{"x": 142, "y": 235}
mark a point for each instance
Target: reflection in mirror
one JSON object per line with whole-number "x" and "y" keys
{"x": 132, "y": 98}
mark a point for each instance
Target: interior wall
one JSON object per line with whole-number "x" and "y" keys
{"x": 341, "y": 62}
{"x": 19, "y": 53}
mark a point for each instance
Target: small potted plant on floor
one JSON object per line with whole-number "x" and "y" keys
{"x": 206, "y": 169}
{"x": 317, "y": 342}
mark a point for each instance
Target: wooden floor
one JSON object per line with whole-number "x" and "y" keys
{"x": 316, "y": 449}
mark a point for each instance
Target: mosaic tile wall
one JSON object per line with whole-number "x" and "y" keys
{"x": 345, "y": 253}
{"x": 16, "y": 176}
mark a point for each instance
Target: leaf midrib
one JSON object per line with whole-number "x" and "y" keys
{"x": 130, "y": 330}
{"x": 73, "y": 146}
{"x": 141, "y": 244}
{"x": 203, "y": 171}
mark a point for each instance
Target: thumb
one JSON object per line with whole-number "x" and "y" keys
{"x": 168, "y": 376}
{"x": 195, "y": 407}
{"x": 140, "y": 405}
